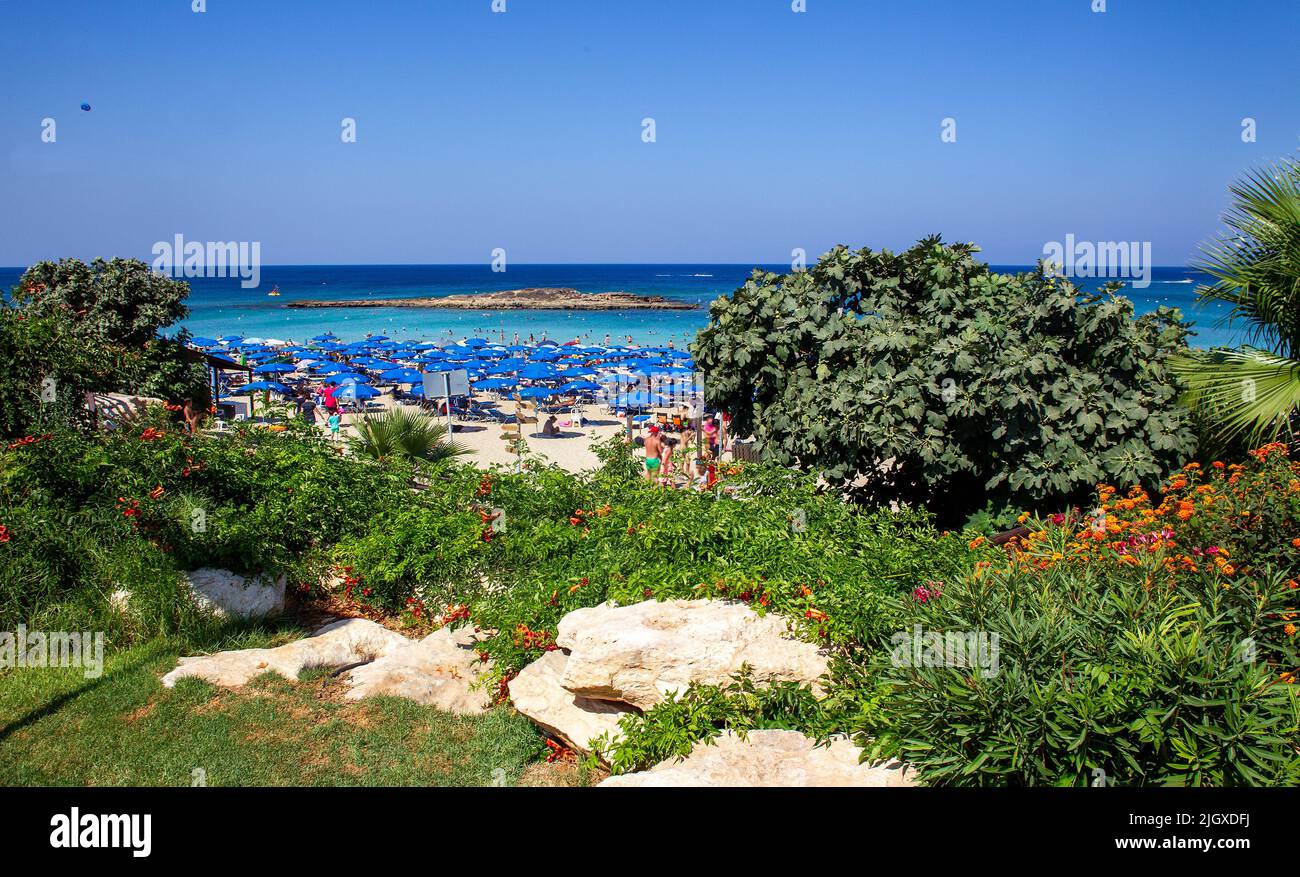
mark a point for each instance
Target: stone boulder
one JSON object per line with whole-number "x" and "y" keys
{"x": 229, "y": 594}
{"x": 639, "y": 653}
{"x": 768, "y": 758}
{"x": 539, "y": 694}
{"x": 349, "y": 641}
{"x": 436, "y": 671}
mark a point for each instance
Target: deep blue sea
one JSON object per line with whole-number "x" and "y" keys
{"x": 220, "y": 306}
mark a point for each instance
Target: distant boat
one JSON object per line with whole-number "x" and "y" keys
{"x": 275, "y": 291}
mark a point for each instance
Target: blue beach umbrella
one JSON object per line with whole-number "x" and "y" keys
{"x": 402, "y": 376}
{"x": 357, "y": 391}
{"x": 259, "y": 386}
{"x": 204, "y": 342}
{"x": 537, "y": 371}
{"x": 496, "y": 384}
{"x": 274, "y": 368}
{"x": 538, "y": 392}
{"x": 640, "y": 399}
{"x": 579, "y": 386}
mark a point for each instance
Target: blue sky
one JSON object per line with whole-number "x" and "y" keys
{"x": 522, "y": 130}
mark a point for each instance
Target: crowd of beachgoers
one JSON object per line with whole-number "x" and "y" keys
{"x": 560, "y": 397}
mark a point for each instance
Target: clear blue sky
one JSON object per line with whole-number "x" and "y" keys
{"x": 523, "y": 130}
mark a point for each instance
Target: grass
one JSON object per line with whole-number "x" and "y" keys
{"x": 125, "y": 729}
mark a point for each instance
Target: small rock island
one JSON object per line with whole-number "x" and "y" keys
{"x": 532, "y": 299}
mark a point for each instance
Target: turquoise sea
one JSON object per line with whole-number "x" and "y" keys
{"x": 220, "y": 306}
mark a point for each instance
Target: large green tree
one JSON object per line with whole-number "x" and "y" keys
{"x": 923, "y": 376}
{"x": 119, "y": 300}
{"x": 69, "y": 328}
{"x": 1252, "y": 394}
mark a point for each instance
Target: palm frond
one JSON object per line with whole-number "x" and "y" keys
{"x": 1246, "y": 393}
{"x": 1256, "y": 264}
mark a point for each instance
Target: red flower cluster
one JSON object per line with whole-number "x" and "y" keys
{"x": 559, "y": 752}
{"x": 534, "y": 639}
{"x": 130, "y": 509}
{"x": 457, "y": 612}
{"x": 484, "y": 486}
{"x": 4, "y": 534}
{"x": 28, "y": 440}
{"x": 150, "y": 434}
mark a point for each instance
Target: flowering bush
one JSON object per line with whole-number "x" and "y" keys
{"x": 1153, "y": 642}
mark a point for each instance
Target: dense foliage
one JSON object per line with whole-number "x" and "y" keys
{"x": 117, "y": 300}
{"x": 1253, "y": 393}
{"x": 69, "y": 329}
{"x": 945, "y": 383}
{"x": 1154, "y": 643}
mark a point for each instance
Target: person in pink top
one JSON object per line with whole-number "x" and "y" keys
{"x": 331, "y": 404}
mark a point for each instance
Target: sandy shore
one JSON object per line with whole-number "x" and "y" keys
{"x": 571, "y": 450}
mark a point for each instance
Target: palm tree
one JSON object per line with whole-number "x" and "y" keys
{"x": 400, "y": 434}
{"x": 1253, "y": 392}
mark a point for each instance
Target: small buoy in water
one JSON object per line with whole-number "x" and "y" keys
{"x": 85, "y": 108}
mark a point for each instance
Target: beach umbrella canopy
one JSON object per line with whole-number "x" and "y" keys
{"x": 326, "y": 336}
{"x": 537, "y": 371}
{"x": 538, "y": 392}
{"x": 477, "y": 342}
{"x": 231, "y": 338}
{"x": 258, "y": 386}
{"x": 349, "y": 378}
{"x": 640, "y": 399}
{"x": 356, "y": 391}
{"x": 373, "y": 339}
{"x": 204, "y": 342}
{"x": 403, "y": 376}
{"x": 579, "y": 386}
{"x": 275, "y": 368}
{"x": 496, "y": 384}
{"x": 417, "y": 390}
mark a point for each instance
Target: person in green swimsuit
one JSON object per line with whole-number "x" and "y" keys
{"x": 654, "y": 446}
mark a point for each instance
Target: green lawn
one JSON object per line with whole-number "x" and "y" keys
{"x": 124, "y": 728}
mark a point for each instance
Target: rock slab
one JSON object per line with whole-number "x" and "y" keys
{"x": 229, "y": 594}
{"x": 639, "y": 653}
{"x": 436, "y": 671}
{"x": 344, "y": 642}
{"x": 538, "y": 692}
{"x": 768, "y": 759}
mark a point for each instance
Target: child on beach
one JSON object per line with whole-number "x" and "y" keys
{"x": 333, "y": 423}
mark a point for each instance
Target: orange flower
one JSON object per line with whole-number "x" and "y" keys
{"x": 1295, "y": 543}
{"x": 1289, "y": 630}
{"x": 979, "y": 540}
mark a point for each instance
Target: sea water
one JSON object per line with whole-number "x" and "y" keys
{"x": 220, "y": 306}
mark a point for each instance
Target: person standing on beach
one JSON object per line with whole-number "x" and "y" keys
{"x": 654, "y": 447}
{"x": 333, "y": 423}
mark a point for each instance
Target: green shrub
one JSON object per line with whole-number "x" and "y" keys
{"x": 948, "y": 385}
{"x": 1149, "y": 645}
